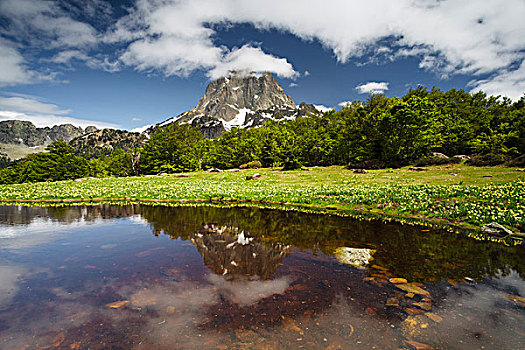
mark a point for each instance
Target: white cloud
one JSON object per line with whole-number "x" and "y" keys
{"x": 23, "y": 104}
{"x": 43, "y": 120}
{"x": 30, "y": 108}
{"x": 41, "y": 22}
{"x": 68, "y": 56}
{"x": 322, "y": 108}
{"x": 512, "y": 82}
{"x": 372, "y": 88}
{"x": 344, "y": 103}
{"x": 177, "y": 37}
{"x": 249, "y": 58}
{"x": 449, "y": 37}
{"x": 12, "y": 66}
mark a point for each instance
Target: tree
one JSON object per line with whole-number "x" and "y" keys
{"x": 170, "y": 150}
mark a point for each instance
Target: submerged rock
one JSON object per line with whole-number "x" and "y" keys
{"x": 354, "y": 256}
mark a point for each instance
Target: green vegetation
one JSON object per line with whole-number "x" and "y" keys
{"x": 377, "y": 133}
{"x": 436, "y": 195}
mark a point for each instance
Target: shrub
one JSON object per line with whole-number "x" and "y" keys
{"x": 489, "y": 159}
{"x": 251, "y": 165}
{"x": 430, "y": 160}
{"x": 292, "y": 164}
{"x": 518, "y": 161}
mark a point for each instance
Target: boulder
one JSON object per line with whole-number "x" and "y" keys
{"x": 360, "y": 171}
{"x": 214, "y": 170}
{"x": 495, "y": 229}
{"x": 253, "y": 177}
{"x": 462, "y": 157}
{"x": 439, "y": 155}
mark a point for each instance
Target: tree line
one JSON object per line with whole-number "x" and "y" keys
{"x": 376, "y": 133}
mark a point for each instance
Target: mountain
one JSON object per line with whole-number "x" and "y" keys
{"x": 105, "y": 141}
{"x": 241, "y": 100}
{"x": 20, "y": 138}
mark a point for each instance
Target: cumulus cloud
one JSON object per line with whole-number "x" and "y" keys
{"x": 372, "y": 88}
{"x": 178, "y": 37}
{"x": 449, "y": 37}
{"x": 44, "y": 22}
{"x": 12, "y": 66}
{"x": 173, "y": 37}
{"x": 509, "y": 82}
{"x": 344, "y": 103}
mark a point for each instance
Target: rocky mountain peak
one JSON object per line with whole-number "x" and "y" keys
{"x": 227, "y": 96}
{"x": 241, "y": 100}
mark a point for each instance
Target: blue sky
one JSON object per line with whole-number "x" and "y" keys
{"x": 131, "y": 63}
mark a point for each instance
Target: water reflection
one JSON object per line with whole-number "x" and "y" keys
{"x": 95, "y": 277}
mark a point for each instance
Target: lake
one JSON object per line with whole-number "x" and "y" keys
{"x": 142, "y": 277}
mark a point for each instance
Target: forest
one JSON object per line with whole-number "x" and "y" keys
{"x": 379, "y": 132}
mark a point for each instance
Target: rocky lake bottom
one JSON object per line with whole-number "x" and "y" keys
{"x": 142, "y": 277}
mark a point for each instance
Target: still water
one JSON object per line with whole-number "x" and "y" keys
{"x": 139, "y": 277}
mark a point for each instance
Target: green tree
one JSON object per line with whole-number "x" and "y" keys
{"x": 171, "y": 149}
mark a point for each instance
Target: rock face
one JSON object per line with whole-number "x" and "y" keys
{"x": 241, "y": 100}
{"x": 25, "y": 133}
{"x": 225, "y": 97}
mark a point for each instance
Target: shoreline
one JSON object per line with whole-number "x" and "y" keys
{"x": 462, "y": 228}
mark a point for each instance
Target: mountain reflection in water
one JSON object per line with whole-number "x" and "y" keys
{"x": 95, "y": 277}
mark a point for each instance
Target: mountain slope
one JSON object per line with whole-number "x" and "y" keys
{"x": 19, "y": 138}
{"x": 105, "y": 141}
{"x": 241, "y": 100}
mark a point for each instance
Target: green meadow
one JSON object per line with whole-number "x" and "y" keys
{"x": 456, "y": 195}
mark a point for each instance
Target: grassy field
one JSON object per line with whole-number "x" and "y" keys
{"x": 453, "y": 194}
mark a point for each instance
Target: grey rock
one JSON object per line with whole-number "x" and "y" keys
{"x": 439, "y": 155}
{"x": 215, "y": 170}
{"x": 224, "y": 97}
{"x": 360, "y": 171}
{"x": 520, "y": 169}
{"x": 26, "y": 133}
{"x": 253, "y": 177}
{"x": 462, "y": 157}
{"x": 495, "y": 229}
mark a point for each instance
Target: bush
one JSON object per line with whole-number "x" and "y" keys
{"x": 251, "y": 165}
{"x": 489, "y": 159}
{"x": 430, "y": 160}
{"x": 519, "y": 161}
{"x": 292, "y": 164}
